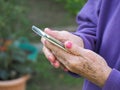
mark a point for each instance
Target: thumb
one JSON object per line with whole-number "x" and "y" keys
{"x": 73, "y": 48}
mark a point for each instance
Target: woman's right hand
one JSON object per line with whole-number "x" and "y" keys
{"x": 62, "y": 36}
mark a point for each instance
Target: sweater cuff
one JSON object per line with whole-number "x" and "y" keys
{"x": 113, "y": 81}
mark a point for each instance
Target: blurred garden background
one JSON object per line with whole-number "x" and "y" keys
{"x": 16, "y": 20}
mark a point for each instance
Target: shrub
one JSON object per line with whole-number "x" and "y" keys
{"x": 12, "y": 17}
{"x": 73, "y": 6}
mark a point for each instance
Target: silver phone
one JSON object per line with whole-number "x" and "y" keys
{"x": 54, "y": 41}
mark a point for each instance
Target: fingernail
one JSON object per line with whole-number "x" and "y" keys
{"x": 47, "y": 29}
{"x": 56, "y": 64}
{"x": 50, "y": 59}
{"x": 68, "y": 45}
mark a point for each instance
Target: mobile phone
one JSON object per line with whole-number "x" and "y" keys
{"x": 54, "y": 41}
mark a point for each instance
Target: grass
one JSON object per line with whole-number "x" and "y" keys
{"x": 48, "y": 78}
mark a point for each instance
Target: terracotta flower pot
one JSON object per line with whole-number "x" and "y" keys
{"x": 16, "y": 84}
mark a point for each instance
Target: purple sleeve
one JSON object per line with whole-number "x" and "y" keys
{"x": 113, "y": 81}
{"x": 87, "y": 21}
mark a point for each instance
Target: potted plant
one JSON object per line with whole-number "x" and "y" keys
{"x": 16, "y": 55}
{"x": 15, "y": 64}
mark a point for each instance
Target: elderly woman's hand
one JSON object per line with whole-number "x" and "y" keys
{"x": 82, "y": 61}
{"x": 61, "y": 36}
{"x": 78, "y": 60}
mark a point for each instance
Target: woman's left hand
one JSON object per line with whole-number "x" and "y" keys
{"x": 82, "y": 61}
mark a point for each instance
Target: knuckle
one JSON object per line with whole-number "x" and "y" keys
{"x": 64, "y": 32}
{"x": 88, "y": 52}
{"x": 76, "y": 62}
{"x": 71, "y": 63}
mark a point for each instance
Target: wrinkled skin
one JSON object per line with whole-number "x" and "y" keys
{"x": 78, "y": 60}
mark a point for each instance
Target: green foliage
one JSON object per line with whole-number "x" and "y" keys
{"x": 73, "y": 6}
{"x": 12, "y": 18}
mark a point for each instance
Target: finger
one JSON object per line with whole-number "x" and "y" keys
{"x": 56, "y": 64}
{"x": 43, "y": 40}
{"x": 65, "y": 69}
{"x": 62, "y": 56}
{"x": 55, "y": 49}
{"x": 66, "y": 59}
{"x": 74, "y": 48}
{"x": 77, "y": 50}
{"x": 59, "y": 35}
{"x": 52, "y": 58}
{"x": 48, "y": 54}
